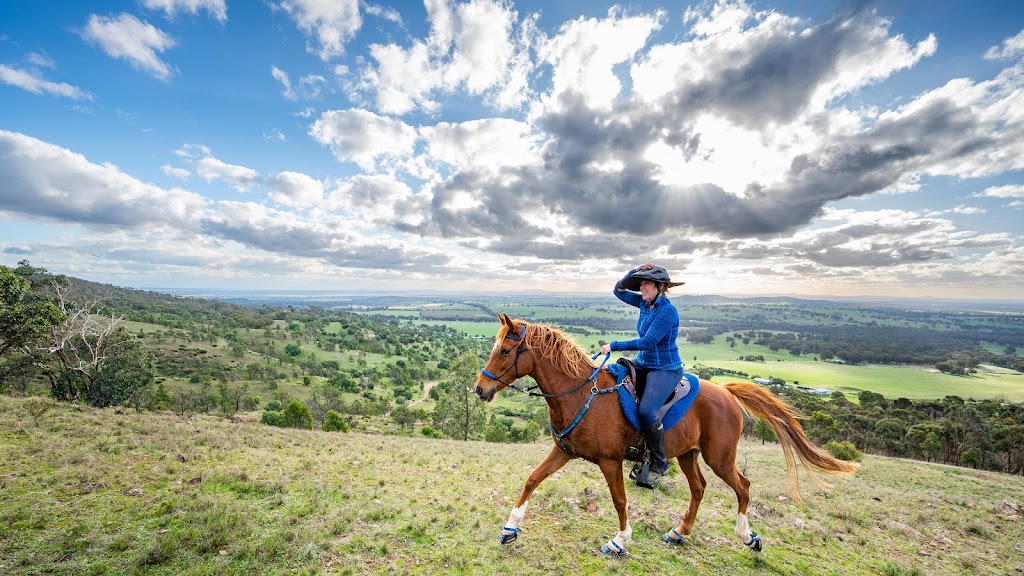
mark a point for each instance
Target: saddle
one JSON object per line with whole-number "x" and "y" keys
{"x": 633, "y": 379}
{"x": 635, "y": 383}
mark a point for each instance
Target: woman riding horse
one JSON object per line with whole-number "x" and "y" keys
{"x": 587, "y": 422}
{"x": 658, "y": 327}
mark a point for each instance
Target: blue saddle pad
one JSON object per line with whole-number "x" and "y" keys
{"x": 674, "y": 414}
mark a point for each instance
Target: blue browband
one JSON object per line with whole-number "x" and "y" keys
{"x": 522, "y": 334}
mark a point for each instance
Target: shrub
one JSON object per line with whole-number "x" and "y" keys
{"x": 271, "y": 418}
{"x": 297, "y": 415}
{"x": 430, "y": 432}
{"x": 333, "y": 422}
{"x": 844, "y": 451}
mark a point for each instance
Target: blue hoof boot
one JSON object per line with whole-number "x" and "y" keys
{"x": 673, "y": 537}
{"x": 613, "y": 549}
{"x": 508, "y": 535}
{"x": 755, "y": 542}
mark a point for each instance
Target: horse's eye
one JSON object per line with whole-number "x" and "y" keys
{"x": 505, "y": 351}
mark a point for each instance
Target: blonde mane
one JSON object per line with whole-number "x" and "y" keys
{"x": 558, "y": 348}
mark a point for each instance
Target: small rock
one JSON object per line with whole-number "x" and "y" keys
{"x": 182, "y": 458}
{"x": 195, "y": 480}
{"x": 132, "y": 491}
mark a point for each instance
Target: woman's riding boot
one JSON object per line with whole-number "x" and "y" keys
{"x": 655, "y": 437}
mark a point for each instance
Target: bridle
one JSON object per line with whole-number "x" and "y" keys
{"x": 530, "y": 390}
{"x": 515, "y": 363}
{"x": 594, "y": 391}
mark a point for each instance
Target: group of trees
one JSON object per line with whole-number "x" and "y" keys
{"x": 77, "y": 345}
{"x": 986, "y": 434}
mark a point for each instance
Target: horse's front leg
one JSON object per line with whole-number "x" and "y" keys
{"x": 554, "y": 460}
{"x": 612, "y": 470}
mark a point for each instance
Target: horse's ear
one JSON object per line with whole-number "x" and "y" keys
{"x": 505, "y": 319}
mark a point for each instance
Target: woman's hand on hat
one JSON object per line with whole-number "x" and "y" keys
{"x": 644, "y": 267}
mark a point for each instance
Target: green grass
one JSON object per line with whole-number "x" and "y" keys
{"x": 89, "y": 491}
{"x": 913, "y": 382}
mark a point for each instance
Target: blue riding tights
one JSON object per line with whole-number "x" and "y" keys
{"x": 660, "y": 383}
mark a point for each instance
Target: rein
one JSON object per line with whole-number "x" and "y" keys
{"x": 594, "y": 391}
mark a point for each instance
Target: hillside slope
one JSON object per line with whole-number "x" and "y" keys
{"x": 91, "y": 491}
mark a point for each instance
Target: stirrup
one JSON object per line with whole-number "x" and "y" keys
{"x": 644, "y": 476}
{"x": 639, "y": 470}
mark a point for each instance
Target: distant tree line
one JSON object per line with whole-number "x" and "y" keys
{"x": 984, "y": 434}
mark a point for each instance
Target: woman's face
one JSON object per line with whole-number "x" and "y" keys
{"x": 648, "y": 291}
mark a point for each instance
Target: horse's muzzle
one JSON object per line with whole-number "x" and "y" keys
{"x": 485, "y": 395}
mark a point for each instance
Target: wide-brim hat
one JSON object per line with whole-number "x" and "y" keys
{"x": 655, "y": 274}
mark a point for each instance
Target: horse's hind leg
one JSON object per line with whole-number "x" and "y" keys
{"x": 724, "y": 465}
{"x": 691, "y": 468}
{"x": 554, "y": 460}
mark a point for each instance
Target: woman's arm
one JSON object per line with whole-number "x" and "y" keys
{"x": 631, "y": 298}
{"x": 662, "y": 325}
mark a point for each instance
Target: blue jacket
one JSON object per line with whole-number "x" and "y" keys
{"x": 658, "y": 327}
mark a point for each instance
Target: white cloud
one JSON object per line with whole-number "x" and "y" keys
{"x": 1010, "y": 48}
{"x": 282, "y": 77}
{"x": 309, "y": 86}
{"x": 275, "y": 135}
{"x": 174, "y": 172}
{"x": 40, "y": 60}
{"x": 216, "y": 8}
{"x": 45, "y": 181}
{"x": 585, "y": 51}
{"x": 492, "y": 142}
{"x": 125, "y": 36}
{"x": 389, "y": 14}
{"x": 1007, "y": 191}
{"x": 295, "y": 189}
{"x": 192, "y": 151}
{"x": 328, "y": 24}
{"x": 379, "y": 200}
{"x": 243, "y": 178}
{"x": 363, "y": 137}
{"x": 473, "y": 46}
{"x": 32, "y": 81}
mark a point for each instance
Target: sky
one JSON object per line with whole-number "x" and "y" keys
{"x": 750, "y": 147}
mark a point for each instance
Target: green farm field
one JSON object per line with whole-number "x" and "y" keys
{"x": 914, "y": 382}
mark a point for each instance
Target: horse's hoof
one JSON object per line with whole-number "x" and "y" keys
{"x": 508, "y": 535}
{"x": 613, "y": 549}
{"x": 673, "y": 537}
{"x": 755, "y": 542}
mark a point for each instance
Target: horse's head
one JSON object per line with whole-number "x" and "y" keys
{"x": 504, "y": 366}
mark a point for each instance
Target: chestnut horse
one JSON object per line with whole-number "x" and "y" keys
{"x": 587, "y": 423}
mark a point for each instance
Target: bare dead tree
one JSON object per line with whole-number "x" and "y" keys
{"x": 78, "y": 346}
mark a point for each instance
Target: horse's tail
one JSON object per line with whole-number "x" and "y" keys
{"x": 762, "y": 404}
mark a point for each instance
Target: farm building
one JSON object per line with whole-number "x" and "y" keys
{"x": 762, "y": 381}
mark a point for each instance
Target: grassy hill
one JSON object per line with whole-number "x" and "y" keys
{"x": 88, "y": 491}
